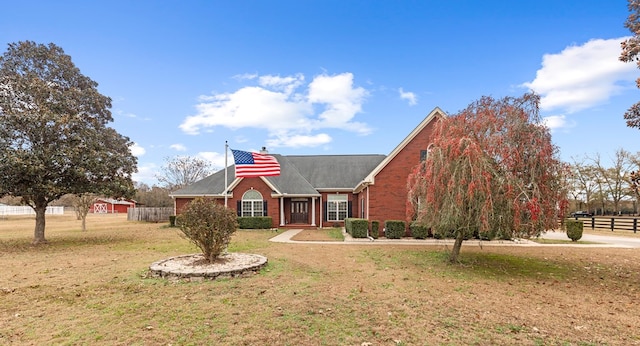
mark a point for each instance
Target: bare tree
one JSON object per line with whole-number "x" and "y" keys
{"x": 614, "y": 181}
{"x": 584, "y": 184}
{"x": 180, "y": 171}
{"x": 82, "y": 203}
{"x": 154, "y": 196}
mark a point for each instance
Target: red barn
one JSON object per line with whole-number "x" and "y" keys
{"x": 322, "y": 190}
{"x": 111, "y": 206}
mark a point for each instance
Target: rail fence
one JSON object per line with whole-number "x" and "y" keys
{"x": 149, "y": 214}
{"x": 610, "y": 223}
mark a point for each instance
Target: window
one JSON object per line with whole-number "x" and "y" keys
{"x": 424, "y": 154}
{"x": 337, "y": 206}
{"x": 252, "y": 204}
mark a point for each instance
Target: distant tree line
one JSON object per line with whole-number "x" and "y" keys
{"x": 605, "y": 187}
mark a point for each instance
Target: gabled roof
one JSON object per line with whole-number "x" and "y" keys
{"x": 299, "y": 176}
{"x": 335, "y": 172}
{"x": 435, "y": 114}
{"x": 308, "y": 175}
{"x": 115, "y": 201}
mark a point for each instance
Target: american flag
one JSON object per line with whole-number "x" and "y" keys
{"x": 254, "y": 165}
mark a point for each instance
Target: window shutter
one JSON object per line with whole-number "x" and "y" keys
{"x": 349, "y": 209}
{"x": 264, "y": 208}
{"x": 239, "y": 207}
{"x": 326, "y": 212}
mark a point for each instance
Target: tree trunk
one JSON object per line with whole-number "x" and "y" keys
{"x": 84, "y": 222}
{"x": 453, "y": 258}
{"x": 38, "y": 234}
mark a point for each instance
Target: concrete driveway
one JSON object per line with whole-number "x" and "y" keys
{"x": 610, "y": 241}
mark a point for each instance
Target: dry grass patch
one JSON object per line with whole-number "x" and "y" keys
{"x": 90, "y": 287}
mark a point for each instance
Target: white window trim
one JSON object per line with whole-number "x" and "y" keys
{"x": 251, "y": 205}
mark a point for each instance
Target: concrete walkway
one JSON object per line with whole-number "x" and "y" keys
{"x": 598, "y": 241}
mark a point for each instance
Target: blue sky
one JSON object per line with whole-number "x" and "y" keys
{"x": 336, "y": 77}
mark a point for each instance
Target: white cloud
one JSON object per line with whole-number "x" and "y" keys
{"x": 409, "y": 96}
{"x": 290, "y": 113}
{"x": 216, "y": 159}
{"x": 286, "y": 84}
{"x": 146, "y": 174}
{"x": 245, "y": 76}
{"x": 555, "y": 121}
{"x": 137, "y": 150}
{"x": 300, "y": 141}
{"x": 583, "y": 76}
{"x": 178, "y": 147}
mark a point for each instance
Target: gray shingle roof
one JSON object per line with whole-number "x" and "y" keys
{"x": 299, "y": 175}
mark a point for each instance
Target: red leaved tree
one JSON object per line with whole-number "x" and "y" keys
{"x": 631, "y": 53}
{"x": 491, "y": 171}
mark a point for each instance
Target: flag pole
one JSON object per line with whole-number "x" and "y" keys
{"x": 226, "y": 184}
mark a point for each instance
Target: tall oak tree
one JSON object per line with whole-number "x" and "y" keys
{"x": 54, "y": 133}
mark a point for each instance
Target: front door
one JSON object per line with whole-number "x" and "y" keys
{"x": 299, "y": 212}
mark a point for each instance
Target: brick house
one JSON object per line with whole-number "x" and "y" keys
{"x": 322, "y": 190}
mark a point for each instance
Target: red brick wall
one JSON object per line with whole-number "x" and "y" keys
{"x": 351, "y": 198}
{"x": 387, "y": 197}
{"x": 246, "y": 184}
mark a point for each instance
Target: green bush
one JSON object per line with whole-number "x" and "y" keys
{"x": 359, "y": 228}
{"x": 574, "y": 229}
{"x": 172, "y": 221}
{"x": 394, "y": 229}
{"x": 375, "y": 229}
{"x": 255, "y": 222}
{"x": 347, "y": 225}
{"x": 208, "y": 225}
{"x": 419, "y": 231}
{"x": 444, "y": 234}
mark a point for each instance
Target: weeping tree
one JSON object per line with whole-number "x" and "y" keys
{"x": 631, "y": 53}
{"x": 491, "y": 171}
{"x": 54, "y": 133}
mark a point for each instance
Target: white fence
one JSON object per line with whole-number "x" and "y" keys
{"x": 26, "y": 210}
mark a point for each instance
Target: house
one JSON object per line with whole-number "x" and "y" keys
{"x": 322, "y": 190}
{"x": 111, "y": 206}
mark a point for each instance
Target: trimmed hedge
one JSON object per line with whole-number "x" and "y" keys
{"x": 394, "y": 229}
{"x": 255, "y": 222}
{"x": 347, "y": 225}
{"x": 357, "y": 227}
{"x": 574, "y": 229}
{"x": 375, "y": 229}
{"x": 419, "y": 231}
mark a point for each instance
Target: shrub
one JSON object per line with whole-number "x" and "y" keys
{"x": 208, "y": 225}
{"x": 359, "y": 228}
{"x": 574, "y": 229}
{"x": 394, "y": 229}
{"x": 375, "y": 229}
{"x": 419, "y": 231}
{"x": 347, "y": 225}
{"x": 172, "y": 221}
{"x": 255, "y": 222}
{"x": 444, "y": 233}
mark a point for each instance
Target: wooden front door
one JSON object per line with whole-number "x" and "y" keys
{"x": 299, "y": 212}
